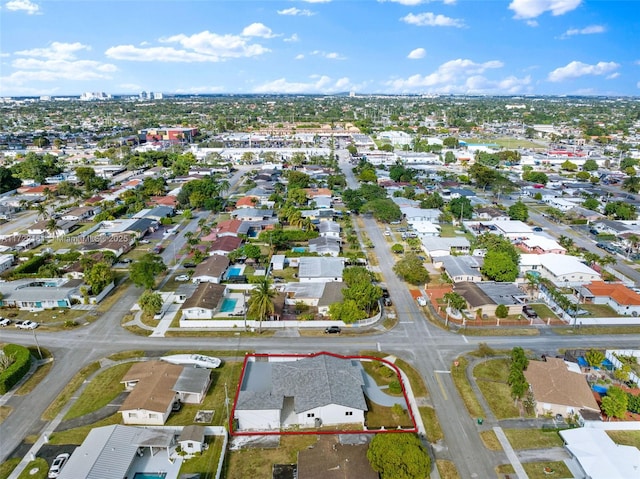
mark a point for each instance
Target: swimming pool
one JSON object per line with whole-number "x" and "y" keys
{"x": 228, "y": 305}
{"x": 235, "y": 271}
{"x": 150, "y": 475}
{"x": 298, "y": 249}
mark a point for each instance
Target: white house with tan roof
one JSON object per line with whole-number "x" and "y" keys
{"x": 559, "y": 388}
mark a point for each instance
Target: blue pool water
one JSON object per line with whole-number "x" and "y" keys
{"x": 599, "y": 389}
{"x": 228, "y": 305}
{"x": 235, "y": 271}
{"x": 150, "y": 475}
{"x": 582, "y": 362}
{"x": 299, "y": 249}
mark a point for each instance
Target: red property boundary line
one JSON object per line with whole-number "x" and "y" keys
{"x": 395, "y": 368}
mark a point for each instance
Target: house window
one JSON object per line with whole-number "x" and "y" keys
{"x": 133, "y": 414}
{"x": 310, "y": 414}
{"x": 348, "y": 413}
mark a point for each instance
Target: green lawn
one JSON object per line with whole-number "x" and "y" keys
{"x": 557, "y": 469}
{"x": 447, "y": 469}
{"x": 464, "y": 388}
{"x": 490, "y": 440}
{"x": 65, "y": 395}
{"x": 104, "y": 388}
{"x": 600, "y": 310}
{"x": 431, "y": 424}
{"x": 627, "y": 438}
{"x": 205, "y": 464}
{"x": 378, "y": 416}
{"x": 533, "y": 438}
{"x": 491, "y": 377}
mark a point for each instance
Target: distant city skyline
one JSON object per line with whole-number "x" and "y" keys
{"x": 499, "y": 47}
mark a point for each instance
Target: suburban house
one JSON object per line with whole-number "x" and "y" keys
{"x": 611, "y": 227}
{"x": 439, "y": 247}
{"x": 488, "y": 213}
{"x": 119, "y": 451}
{"x": 325, "y": 246}
{"x": 329, "y": 229}
{"x": 61, "y": 228}
{"x": 314, "y": 391}
{"x": 512, "y": 229}
{"x": 424, "y": 229}
{"x": 616, "y": 295}
{"x": 156, "y": 385}
{"x": 537, "y": 244}
{"x": 412, "y": 214}
{"x": 248, "y": 202}
{"x": 6, "y": 261}
{"x": 118, "y": 244}
{"x": 40, "y": 293}
{"x": 560, "y": 269}
{"x": 252, "y": 214}
{"x": 191, "y": 439}
{"x": 484, "y": 298}
{"x": 314, "y": 269}
{"x": 225, "y": 245}
{"x": 81, "y": 213}
{"x": 156, "y": 213}
{"x": 308, "y": 293}
{"x": 599, "y": 456}
{"x": 278, "y": 262}
{"x": 211, "y": 270}
{"x": 332, "y": 293}
{"x": 559, "y": 387}
{"x": 204, "y": 301}
{"x": 462, "y": 268}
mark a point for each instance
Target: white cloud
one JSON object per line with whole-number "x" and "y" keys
{"x": 429, "y": 19}
{"x": 23, "y": 6}
{"x": 317, "y": 84}
{"x": 417, "y": 54}
{"x": 413, "y": 3}
{"x": 525, "y": 9}
{"x": 329, "y": 55}
{"x": 317, "y": 1}
{"x": 577, "y": 69}
{"x": 296, "y": 12}
{"x": 57, "y": 50}
{"x": 613, "y": 76}
{"x": 300, "y": 56}
{"x": 200, "y": 89}
{"x": 590, "y": 30}
{"x": 292, "y": 38}
{"x": 199, "y": 47}
{"x": 258, "y": 30}
{"x": 461, "y": 76}
{"x": 638, "y": 84}
{"x": 532, "y": 23}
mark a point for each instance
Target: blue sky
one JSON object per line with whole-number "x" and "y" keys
{"x": 556, "y": 47}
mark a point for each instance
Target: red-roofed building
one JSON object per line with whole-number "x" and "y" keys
{"x": 616, "y": 295}
{"x": 230, "y": 228}
{"x": 225, "y": 245}
{"x": 318, "y": 192}
{"x": 247, "y": 202}
{"x": 36, "y": 190}
{"x": 164, "y": 201}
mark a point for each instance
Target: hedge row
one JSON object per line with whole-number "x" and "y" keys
{"x": 31, "y": 265}
{"x": 20, "y": 366}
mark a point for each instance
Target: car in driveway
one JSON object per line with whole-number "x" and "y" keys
{"x": 5, "y": 322}
{"x": 182, "y": 277}
{"x": 27, "y": 324}
{"x": 529, "y": 312}
{"x": 537, "y": 229}
{"x": 189, "y": 265}
{"x": 57, "y": 465}
{"x": 333, "y": 330}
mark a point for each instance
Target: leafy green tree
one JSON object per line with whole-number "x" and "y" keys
{"x": 386, "y": 147}
{"x": 568, "y": 166}
{"x": 384, "y": 210}
{"x": 590, "y": 165}
{"x": 583, "y": 176}
{"x": 449, "y": 158}
{"x": 620, "y": 210}
{"x": 455, "y": 301}
{"x": 615, "y": 403}
{"x": 628, "y": 163}
{"x": 298, "y": 179}
{"x": 535, "y": 177}
{"x": 591, "y": 204}
{"x": 260, "y": 303}
{"x": 411, "y": 270}
{"x": 499, "y": 266}
{"x": 7, "y": 181}
{"x": 461, "y": 208}
{"x": 493, "y": 242}
{"x": 450, "y": 142}
{"x": 144, "y": 271}
{"x": 36, "y": 167}
{"x": 99, "y": 276}
{"x": 519, "y": 211}
{"x": 594, "y": 357}
{"x": 434, "y": 201}
{"x": 150, "y": 302}
{"x": 368, "y": 175}
{"x": 397, "y": 248}
{"x": 502, "y": 311}
{"x": 347, "y": 311}
{"x": 398, "y": 456}
{"x": 632, "y": 184}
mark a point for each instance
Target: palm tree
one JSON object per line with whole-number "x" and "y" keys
{"x": 42, "y": 211}
{"x": 295, "y": 219}
{"x": 533, "y": 282}
{"x": 261, "y": 300}
{"x": 607, "y": 260}
{"x": 52, "y": 227}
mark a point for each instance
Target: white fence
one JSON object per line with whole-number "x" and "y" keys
{"x": 610, "y": 355}
{"x": 614, "y": 425}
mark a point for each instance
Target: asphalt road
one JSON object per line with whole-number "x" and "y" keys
{"x": 428, "y": 348}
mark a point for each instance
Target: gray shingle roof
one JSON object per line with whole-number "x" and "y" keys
{"x": 312, "y": 382}
{"x": 312, "y": 267}
{"x": 192, "y": 380}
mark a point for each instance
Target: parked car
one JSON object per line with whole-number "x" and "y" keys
{"x": 387, "y": 301}
{"x": 189, "y": 265}
{"x": 57, "y": 465}
{"x": 421, "y": 301}
{"x": 537, "y": 229}
{"x": 333, "y": 330}
{"x": 27, "y": 324}
{"x": 529, "y": 312}
{"x": 176, "y": 406}
{"x": 5, "y": 322}
{"x": 182, "y": 277}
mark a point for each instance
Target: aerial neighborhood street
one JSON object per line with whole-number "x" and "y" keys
{"x": 194, "y": 295}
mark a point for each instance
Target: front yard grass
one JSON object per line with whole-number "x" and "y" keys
{"x": 600, "y": 310}
{"x": 378, "y": 416}
{"x": 627, "y": 438}
{"x": 447, "y": 469}
{"x": 54, "y": 408}
{"x": 491, "y": 377}
{"x": 40, "y": 465}
{"x": 536, "y": 470}
{"x": 104, "y": 388}
{"x": 500, "y": 331}
{"x": 459, "y": 376}
{"x": 490, "y": 440}
{"x": 417, "y": 384}
{"x": 431, "y": 424}
{"x": 533, "y": 438}
{"x": 256, "y": 462}
{"x": 205, "y": 464}
{"x": 7, "y": 467}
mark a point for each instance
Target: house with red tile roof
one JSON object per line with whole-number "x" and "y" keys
{"x": 225, "y": 245}
{"x": 248, "y": 202}
{"x": 620, "y": 298}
